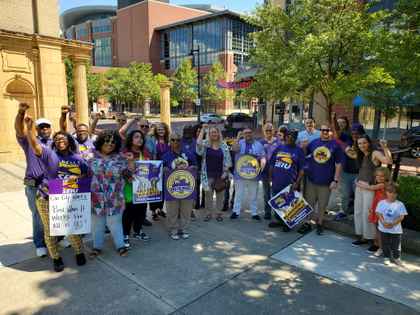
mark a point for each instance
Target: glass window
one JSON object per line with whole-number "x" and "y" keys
{"x": 81, "y": 31}
{"x": 69, "y": 33}
{"x": 101, "y": 26}
{"x": 103, "y": 51}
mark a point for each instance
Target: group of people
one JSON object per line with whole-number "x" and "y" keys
{"x": 313, "y": 161}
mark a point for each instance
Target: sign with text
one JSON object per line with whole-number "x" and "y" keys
{"x": 290, "y": 206}
{"x": 247, "y": 167}
{"x": 69, "y": 206}
{"x": 147, "y": 183}
{"x": 180, "y": 184}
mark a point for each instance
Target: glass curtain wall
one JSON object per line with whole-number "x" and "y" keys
{"x": 101, "y": 26}
{"x": 239, "y": 40}
{"x": 103, "y": 51}
{"x": 81, "y": 31}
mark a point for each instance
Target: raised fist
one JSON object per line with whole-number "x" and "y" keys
{"x": 23, "y": 107}
{"x": 65, "y": 110}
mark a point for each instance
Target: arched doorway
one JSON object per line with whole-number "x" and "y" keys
{"x": 16, "y": 91}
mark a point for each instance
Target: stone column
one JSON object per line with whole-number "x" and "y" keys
{"x": 80, "y": 91}
{"x": 165, "y": 102}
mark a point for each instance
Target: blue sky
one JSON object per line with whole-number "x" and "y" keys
{"x": 236, "y": 5}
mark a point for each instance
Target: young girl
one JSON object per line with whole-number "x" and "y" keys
{"x": 390, "y": 213}
{"x": 382, "y": 177}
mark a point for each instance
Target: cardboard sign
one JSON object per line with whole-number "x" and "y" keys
{"x": 180, "y": 184}
{"x": 147, "y": 183}
{"x": 247, "y": 167}
{"x": 290, "y": 206}
{"x": 69, "y": 207}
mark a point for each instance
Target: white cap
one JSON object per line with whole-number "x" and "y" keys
{"x": 41, "y": 121}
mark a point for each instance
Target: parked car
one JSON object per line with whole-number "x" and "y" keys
{"x": 411, "y": 139}
{"x": 209, "y": 118}
{"x": 239, "y": 121}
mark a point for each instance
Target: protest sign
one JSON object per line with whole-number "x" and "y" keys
{"x": 147, "y": 183}
{"x": 69, "y": 206}
{"x": 180, "y": 184}
{"x": 290, "y": 206}
{"x": 247, "y": 167}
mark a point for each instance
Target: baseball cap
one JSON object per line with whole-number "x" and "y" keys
{"x": 42, "y": 121}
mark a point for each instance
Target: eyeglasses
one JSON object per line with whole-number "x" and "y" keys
{"x": 144, "y": 126}
{"x": 176, "y": 140}
{"x": 325, "y": 130}
{"x": 57, "y": 139}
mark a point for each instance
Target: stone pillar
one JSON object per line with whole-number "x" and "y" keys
{"x": 165, "y": 102}
{"x": 80, "y": 91}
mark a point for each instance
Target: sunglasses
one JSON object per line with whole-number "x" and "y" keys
{"x": 109, "y": 140}
{"x": 60, "y": 139}
{"x": 176, "y": 140}
{"x": 325, "y": 130}
{"x": 144, "y": 126}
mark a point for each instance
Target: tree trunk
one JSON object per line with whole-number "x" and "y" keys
{"x": 376, "y": 123}
{"x": 356, "y": 111}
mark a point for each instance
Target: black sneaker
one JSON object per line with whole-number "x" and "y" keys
{"x": 234, "y": 215}
{"x": 274, "y": 224}
{"x": 359, "y": 242}
{"x": 147, "y": 223}
{"x": 155, "y": 217}
{"x": 267, "y": 216}
{"x": 162, "y": 213}
{"x": 80, "y": 259}
{"x": 142, "y": 237}
{"x": 305, "y": 228}
{"x": 256, "y": 217}
{"x": 286, "y": 228}
{"x": 126, "y": 241}
{"x": 373, "y": 248}
{"x": 58, "y": 264}
{"x": 319, "y": 229}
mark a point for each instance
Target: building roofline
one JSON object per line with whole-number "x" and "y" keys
{"x": 163, "y": 3}
{"x": 200, "y": 18}
{"x": 68, "y": 17}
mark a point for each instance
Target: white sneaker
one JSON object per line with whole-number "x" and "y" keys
{"x": 41, "y": 252}
{"x": 378, "y": 253}
{"x": 387, "y": 262}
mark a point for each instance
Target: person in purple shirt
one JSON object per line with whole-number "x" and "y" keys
{"x": 34, "y": 171}
{"x": 324, "y": 157}
{"x": 60, "y": 162}
{"x": 83, "y": 136}
{"x": 286, "y": 168}
{"x": 270, "y": 143}
{"x": 178, "y": 211}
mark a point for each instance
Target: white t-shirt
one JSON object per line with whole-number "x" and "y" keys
{"x": 391, "y": 211}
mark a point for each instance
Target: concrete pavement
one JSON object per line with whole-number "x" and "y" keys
{"x": 232, "y": 267}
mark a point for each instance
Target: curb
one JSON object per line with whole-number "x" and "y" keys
{"x": 410, "y": 239}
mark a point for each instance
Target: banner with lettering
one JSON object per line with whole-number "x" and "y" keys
{"x": 290, "y": 206}
{"x": 69, "y": 206}
{"x": 180, "y": 184}
{"x": 147, "y": 183}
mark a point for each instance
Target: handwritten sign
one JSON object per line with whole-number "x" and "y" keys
{"x": 290, "y": 206}
{"x": 180, "y": 184}
{"x": 147, "y": 183}
{"x": 247, "y": 167}
{"x": 69, "y": 207}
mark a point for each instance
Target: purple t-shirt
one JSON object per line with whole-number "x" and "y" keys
{"x": 170, "y": 159}
{"x": 269, "y": 148}
{"x": 321, "y": 159}
{"x": 286, "y": 162}
{"x": 214, "y": 162}
{"x": 59, "y": 166}
{"x": 85, "y": 149}
{"x": 34, "y": 166}
{"x": 161, "y": 149}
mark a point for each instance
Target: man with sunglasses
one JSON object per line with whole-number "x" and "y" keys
{"x": 323, "y": 167}
{"x": 34, "y": 171}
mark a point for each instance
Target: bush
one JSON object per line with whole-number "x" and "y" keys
{"x": 409, "y": 194}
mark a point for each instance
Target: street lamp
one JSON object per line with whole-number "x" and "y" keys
{"x": 198, "y": 100}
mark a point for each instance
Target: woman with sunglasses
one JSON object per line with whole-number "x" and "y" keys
{"x": 134, "y": 214}
{"x": 109, "y": 170}
{"x": 161, "y": 140}
{"x": 215, "y": 165}
{"x": 61, "y": 162}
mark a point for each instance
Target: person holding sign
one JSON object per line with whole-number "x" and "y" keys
{"x": 134, "y": 214}
{"x": 323, "y": 170}
{"x": 250, "y": 160}
{"x": 109, "y": 169}
{"x": 286, "y": 168}
{"x": 178, "y": 210}
{"x": 60, "y": 162}
{"x": 216, "y": 162}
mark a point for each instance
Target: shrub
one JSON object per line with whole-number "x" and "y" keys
{"x": 409, "y": 194}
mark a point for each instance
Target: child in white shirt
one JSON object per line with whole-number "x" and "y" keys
{"x": 391, "y": 212}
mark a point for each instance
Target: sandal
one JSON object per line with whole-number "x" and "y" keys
{"x": 123, "y": 251}
{"x": 219, "y": 218}
{"x": 207, "y": 218}
{"x": 94, "y": 253}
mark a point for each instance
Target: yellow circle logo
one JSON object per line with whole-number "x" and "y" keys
{"x": 322, "y": 155}
{"x": 247, "y": 167}
{"x": 180, "y": 184}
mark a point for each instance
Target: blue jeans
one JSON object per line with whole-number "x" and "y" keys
{"x": 114, "y": 224}
{"x": 37, "y": 227}
{"x": 347, "y": 191}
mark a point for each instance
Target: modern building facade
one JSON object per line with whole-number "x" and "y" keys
{"x": 32, "y": 68}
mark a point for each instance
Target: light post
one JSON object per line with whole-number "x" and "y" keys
{"x": 198, "y": 101}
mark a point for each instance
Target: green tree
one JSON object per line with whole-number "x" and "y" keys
{"x": 69, "y": 80}
{"x": 184, "y": 80}
{"x": 117, "y": 86}
{"x": 141, "y": 82}
{"x": 211, "y": 93}
{"x": 316, "y": 45}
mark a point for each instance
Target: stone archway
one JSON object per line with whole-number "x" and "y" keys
{"x": 15, "y": 91}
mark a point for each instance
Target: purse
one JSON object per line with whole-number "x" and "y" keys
{"x": 219, "y": 184}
